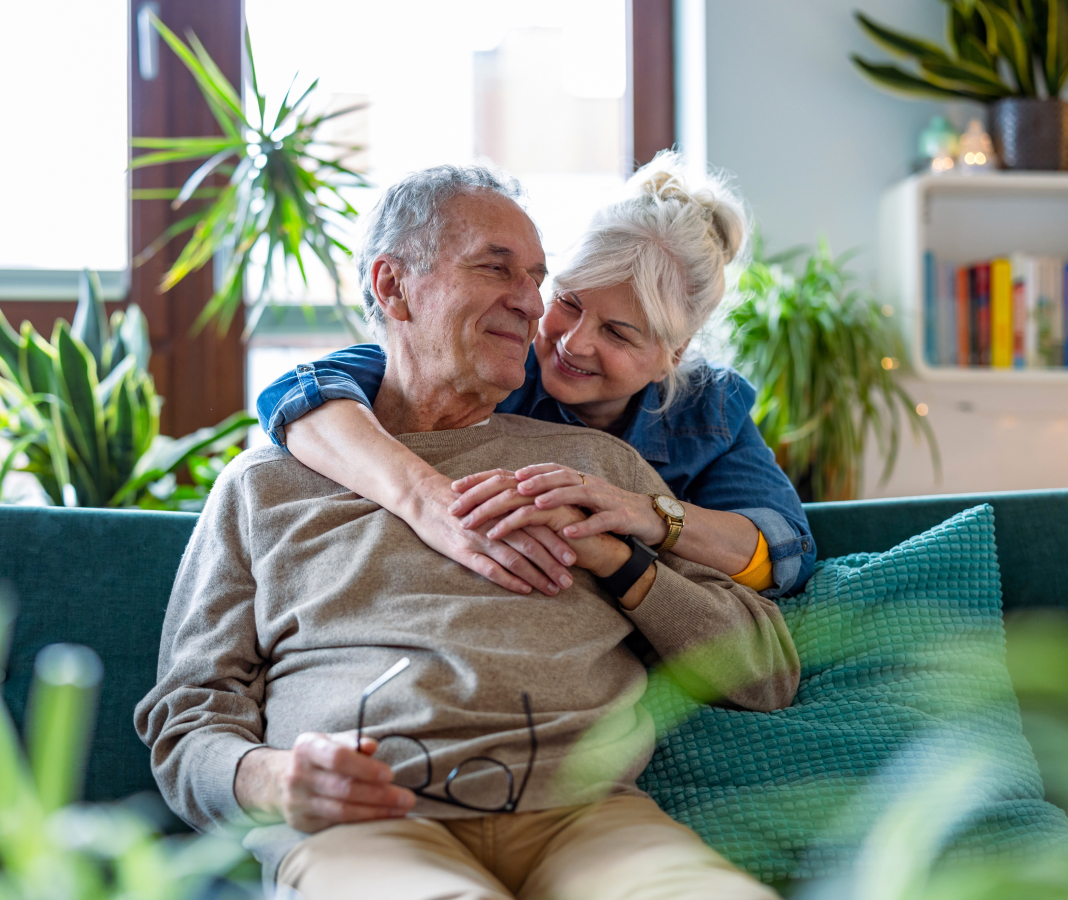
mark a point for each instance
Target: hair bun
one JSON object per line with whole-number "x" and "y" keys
{"x": 665, "y": 180}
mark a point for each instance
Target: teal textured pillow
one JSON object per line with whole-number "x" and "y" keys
{"x": 902, "y": 657}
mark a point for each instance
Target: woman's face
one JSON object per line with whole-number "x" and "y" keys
{"x": 595, "y": 352}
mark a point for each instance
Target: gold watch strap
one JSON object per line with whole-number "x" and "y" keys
{"x": 674, "y": 530}
{"x": 674, "y": 526}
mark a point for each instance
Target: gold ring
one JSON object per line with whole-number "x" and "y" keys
{"x": 583, "y": 477}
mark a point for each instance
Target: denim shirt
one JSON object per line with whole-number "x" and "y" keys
{"x": 705, "y": 446}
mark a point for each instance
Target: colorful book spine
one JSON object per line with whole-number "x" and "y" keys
{"x": 964, "y": 317}
{"x": 947, "y": 313}
{"x": 982, "y": 290}
{"x": 930, "y": 309}
{"x": 1019, "y": 311}
{"x": 1000, "y": 314}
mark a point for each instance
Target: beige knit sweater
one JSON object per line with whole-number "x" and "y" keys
{"x": 294, "y": 594}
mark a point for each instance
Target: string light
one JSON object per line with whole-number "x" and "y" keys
{"x": 887, "y": 310}
{"x": 921, "y": 409}
{"x": 890, "y": 362}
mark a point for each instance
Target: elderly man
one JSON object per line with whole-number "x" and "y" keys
{"x": 391, "y": 723}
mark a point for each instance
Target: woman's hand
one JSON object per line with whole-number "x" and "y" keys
{"x": 525, "y": 558}
{"x": 513, "y": 498}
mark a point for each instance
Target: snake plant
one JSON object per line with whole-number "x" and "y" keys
{"x": 997, "y": 48}
{"x": 826, "y": 363}
{"x": 81, "y": 414}
{"x": 50, "y": 845}
{"x": 283, "y": 191}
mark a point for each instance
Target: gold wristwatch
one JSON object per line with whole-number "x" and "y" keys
{"x": 674, "y": 513}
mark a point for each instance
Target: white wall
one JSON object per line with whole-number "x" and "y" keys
{"x": 813, "y": 146}
{"x": 812, "y": 142}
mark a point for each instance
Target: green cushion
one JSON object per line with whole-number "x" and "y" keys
{"x": 100, "y": 578}
{"x": 902, "y": 654}
{"x": 1032, "y": 532}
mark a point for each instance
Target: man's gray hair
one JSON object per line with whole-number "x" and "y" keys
{"x": 407, "y": 223}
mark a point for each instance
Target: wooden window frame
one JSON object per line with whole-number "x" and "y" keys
{"x": 651, "y": 71}
{"x": 202, "y": 378}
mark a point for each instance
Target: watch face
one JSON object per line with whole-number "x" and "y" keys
{"x": 671, "y": 506}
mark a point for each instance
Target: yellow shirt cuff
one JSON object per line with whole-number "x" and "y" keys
{"x": 757, "y": 575}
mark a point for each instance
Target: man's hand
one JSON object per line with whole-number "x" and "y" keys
{"x": 525, "y": 558}
{"x": 319, "y": 783}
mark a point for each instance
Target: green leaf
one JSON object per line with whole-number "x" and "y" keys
{"x": 974, "y": 77}
{"x": 167, "y": 454}
{"x": 135, "y": 335}
{"x": 898, "y": 43}
{"x": 77, "y": 384}
{"x": 9, "y": 351}
{"x": 200, "y": 174}
{"x": 36, "y": 362}
{"x": 180, "y": 227}
{"x": 1014, "y": 48}
{"x": 90, "y": 324}
{"x": 220, "y": 95}
{"x": 261, "y": 102}
{"x": 897, "y": 81}
{"x": 61, "y": 711}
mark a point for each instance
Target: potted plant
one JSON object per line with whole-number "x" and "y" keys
{"x": 1011, "y": 55}
{"x": 826, "y": 363}
{"x": 282, "y": 193}
{"x": 81, "y": 414}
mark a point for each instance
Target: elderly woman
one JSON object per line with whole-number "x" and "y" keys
{"x": 610, "y": 353}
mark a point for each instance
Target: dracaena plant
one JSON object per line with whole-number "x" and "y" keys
{"x": 283, "y": 191}
{"x": 997, "y": 48}
{"x": 81, "y": 415}
{"x": 51, "y": 846}
{"x": 826, "y": 363}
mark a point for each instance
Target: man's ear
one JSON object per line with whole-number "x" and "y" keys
{"x": 388, "y": 286}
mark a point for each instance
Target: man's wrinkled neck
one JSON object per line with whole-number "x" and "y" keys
{"x": 411, "y": 401}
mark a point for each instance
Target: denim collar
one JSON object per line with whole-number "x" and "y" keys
{"x": 645, "y": 433}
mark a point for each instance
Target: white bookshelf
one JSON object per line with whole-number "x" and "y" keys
{"x": 964, "y": 218}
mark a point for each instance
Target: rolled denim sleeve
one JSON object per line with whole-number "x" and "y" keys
{"x": 354, "y": 373}
{"x": 747, "y": 480}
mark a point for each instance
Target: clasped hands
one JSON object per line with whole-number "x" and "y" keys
{"x": 523, "y": 530}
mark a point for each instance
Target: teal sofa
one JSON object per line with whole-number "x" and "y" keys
{"x": 102, "y": 578}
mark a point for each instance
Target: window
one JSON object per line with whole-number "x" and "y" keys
{"x": 537, "y": 86}
{"x": 64, "y": 205}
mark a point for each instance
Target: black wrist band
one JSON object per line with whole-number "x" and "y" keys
{"x": 626, "y": 576}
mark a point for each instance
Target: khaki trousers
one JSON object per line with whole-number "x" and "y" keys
{"x": 622, "y": 848}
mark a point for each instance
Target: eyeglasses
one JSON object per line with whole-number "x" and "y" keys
{"x": 471, "y": 762}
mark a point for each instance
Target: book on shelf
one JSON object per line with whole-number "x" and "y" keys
{"x": 1007, "y": 312}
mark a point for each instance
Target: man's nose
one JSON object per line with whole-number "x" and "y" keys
{"x": 527, "y": 297}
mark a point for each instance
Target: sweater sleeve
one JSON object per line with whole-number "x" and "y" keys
{"x": 205, "y": 712}
{"x": 721, "y": 640}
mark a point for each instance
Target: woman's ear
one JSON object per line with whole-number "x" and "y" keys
{"x": 388, "y": 286}
{"x": 672, "y": 362}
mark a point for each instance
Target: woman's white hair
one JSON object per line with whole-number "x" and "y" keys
{"x": 671, "y": 239}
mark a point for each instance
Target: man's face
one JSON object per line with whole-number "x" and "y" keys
{"x": 473, "y": 316}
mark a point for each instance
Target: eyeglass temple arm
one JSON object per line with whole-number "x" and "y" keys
{"x": 533, "y": 750}
{"x": 396, "y": 669}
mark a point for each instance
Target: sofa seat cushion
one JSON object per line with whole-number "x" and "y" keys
{"x": 903, "y": 687}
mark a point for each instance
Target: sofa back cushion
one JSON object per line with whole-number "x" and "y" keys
{"x": 100, "y": 578}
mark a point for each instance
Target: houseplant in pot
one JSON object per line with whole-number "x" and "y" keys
{"x": 826, "y": 364}
{"x": 282, "y": 193}
{"x": 1011, "y": 55}
{"x": 80, "y": 414}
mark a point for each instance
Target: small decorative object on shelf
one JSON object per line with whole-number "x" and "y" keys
{"x": 938, "y": 145}
{"x": 976, "y": 150}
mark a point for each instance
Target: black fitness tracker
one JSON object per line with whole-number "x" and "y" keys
{"x": 624, "y": 578}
